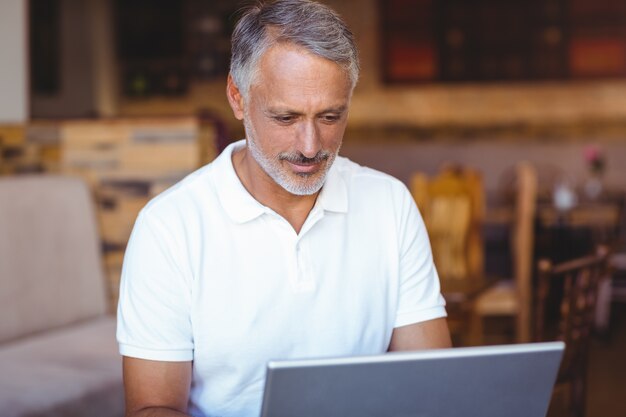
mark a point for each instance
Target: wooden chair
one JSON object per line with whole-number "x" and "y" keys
{"x": 564, "y": 309}
{"x": 512, "y": 297}
{"x": 452, "y": 205}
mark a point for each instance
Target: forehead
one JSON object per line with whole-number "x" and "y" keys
{"x": 286, "y": 71}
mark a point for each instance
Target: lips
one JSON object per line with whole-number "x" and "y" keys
{"x": 304, "y": 168}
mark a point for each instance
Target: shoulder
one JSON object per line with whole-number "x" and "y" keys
{"x": 198, "y": 191}
{"x": 183, "y": 195}
{"x": 364, "y": 179}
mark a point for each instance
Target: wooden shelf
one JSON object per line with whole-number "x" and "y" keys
{"x": 491, "y": 40}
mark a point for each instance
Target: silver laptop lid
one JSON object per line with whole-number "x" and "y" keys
{"x": 490, "y": 381}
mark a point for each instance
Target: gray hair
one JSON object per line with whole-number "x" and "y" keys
{"x": 308, "y": 24}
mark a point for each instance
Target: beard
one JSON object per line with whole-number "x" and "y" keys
{"x": 294, "y": 183}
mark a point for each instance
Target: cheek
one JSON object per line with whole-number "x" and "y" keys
{"x": 332, "y": 135}
{"x": 273, "y": 139}
{"x": 260, "y": 130}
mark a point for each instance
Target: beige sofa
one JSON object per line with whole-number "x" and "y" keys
{"x": 58, "y": 354}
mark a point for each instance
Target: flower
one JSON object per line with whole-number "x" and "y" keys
{"x": 595, "y": 159}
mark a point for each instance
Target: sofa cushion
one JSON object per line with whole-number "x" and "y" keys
{"x": 50, "y": 268}
{"x": 74, "y": 371}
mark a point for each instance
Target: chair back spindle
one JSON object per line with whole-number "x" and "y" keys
{"x": 523, "y": 243}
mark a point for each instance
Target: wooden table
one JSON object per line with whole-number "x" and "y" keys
{"x": 602, "y": 220}
{"x": 564, "y": 235}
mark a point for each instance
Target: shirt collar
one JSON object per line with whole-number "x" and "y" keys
{"x": 334, "y": 194}
{"x": 236, "y": 200}
{"x": 241, "y": 207}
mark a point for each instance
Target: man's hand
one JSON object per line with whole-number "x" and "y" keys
{"x": 431, "y": 334}
{"x": 156, "y": 388}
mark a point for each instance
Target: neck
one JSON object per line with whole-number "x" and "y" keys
{"x": 293, "y": 208}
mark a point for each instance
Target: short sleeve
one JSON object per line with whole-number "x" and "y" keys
{"x": 155, "y": 295}
{"x": 420, "y": 296}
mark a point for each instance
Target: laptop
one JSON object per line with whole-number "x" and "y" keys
{"x": 490, "y": 381}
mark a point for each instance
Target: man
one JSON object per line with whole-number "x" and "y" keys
{"x": 278, "y": 249}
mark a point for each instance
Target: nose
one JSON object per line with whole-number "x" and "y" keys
{"x": 309, "y": 143}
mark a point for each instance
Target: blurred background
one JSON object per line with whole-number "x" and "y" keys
{"x": 128, "y": 96}
{"x": 470, "y": 77}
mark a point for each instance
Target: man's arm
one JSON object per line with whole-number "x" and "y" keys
{"x": 156, "y": 388}
{"x": 431, "y": 334}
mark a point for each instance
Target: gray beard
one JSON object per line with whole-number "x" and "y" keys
{"x": 283, "y": 178}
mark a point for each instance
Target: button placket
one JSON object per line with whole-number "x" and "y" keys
{"x": 297, "y": 259}
{"x": 304, "y": 279}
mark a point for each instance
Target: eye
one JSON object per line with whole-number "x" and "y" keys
{"x": 331, "y": 117}
{"x": 285, "y": 119}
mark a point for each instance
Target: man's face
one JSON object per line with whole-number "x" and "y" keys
{"x": 295, "y": 117}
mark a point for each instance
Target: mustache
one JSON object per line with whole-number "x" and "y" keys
{"x": 298, "y": 158}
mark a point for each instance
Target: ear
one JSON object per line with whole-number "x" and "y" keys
{"x": 235, "y": 99}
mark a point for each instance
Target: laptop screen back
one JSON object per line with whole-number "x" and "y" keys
{"x": 492, "y": 381}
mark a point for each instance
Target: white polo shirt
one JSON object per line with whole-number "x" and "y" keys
{"x": 211, "y": 275}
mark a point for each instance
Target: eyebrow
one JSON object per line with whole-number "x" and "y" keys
{"x": 278, "y": 111}
{"x": 340, "y": 109}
